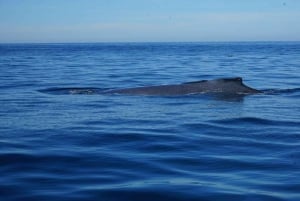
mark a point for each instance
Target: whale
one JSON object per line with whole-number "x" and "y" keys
{"x": 221, "y": 87}
{"x": 233, "y": 85}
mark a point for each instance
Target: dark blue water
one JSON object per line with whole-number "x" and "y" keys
{"x": 114, "y": 147}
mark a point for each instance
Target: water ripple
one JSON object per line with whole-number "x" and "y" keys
{"x": 58, "y": 146}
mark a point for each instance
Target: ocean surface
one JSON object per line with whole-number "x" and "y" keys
{"x": 86, "y": 146}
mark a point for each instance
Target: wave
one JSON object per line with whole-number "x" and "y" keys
{"x": 281, "y": 91}
{"x": 73, "y": 90}
{"x": 255, "y": 121}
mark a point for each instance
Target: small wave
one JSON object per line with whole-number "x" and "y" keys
{"x": 281, "y": 91}
{"x": 73, "y": 90}
{"x": 256, "y": 121}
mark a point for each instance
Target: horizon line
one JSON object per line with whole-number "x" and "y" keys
{"x": 137, "y": 42}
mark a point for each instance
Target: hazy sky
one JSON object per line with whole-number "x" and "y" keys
{"x": 149, "y": 20}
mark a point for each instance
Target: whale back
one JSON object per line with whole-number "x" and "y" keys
{"x": 224, "y": 85}
{"x": 221, "y": 80}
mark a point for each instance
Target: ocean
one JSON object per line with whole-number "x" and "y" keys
{"x": 112, "y": 147}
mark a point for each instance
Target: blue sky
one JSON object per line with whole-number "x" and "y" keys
{"x": 148, "y": 20}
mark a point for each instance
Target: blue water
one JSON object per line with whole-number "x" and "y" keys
{"x": 118, "y": 147}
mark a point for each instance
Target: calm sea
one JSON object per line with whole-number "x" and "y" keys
{"x": 115, "y": 147}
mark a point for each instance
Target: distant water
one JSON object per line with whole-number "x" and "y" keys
{"x": 112, "y": 147}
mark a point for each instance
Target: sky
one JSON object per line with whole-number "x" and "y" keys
{"x": 59, "y": 21}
